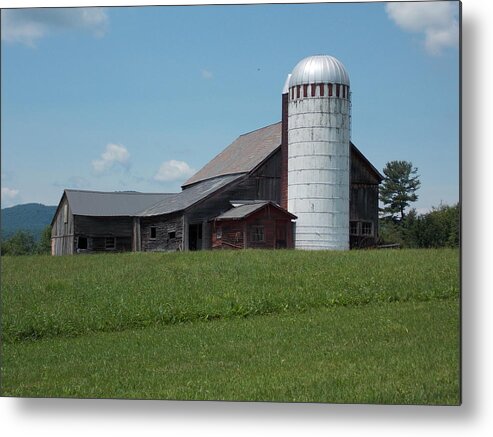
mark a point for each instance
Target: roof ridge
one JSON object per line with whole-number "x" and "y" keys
{"x": 260, "y": 128}
{"x": 113, "y": 192}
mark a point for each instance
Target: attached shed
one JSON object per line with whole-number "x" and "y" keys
{"x": 260, "y": 225}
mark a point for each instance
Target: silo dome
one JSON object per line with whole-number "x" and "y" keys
{"x": 319, "y": 69}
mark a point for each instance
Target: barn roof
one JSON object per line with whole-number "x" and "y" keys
{"x": 243, "y": 211}
{"x": 241, "y": 156}
{"x": 188, "y": 197}
{"x": 109, "y": 204}
{"x": 248, "y": 151}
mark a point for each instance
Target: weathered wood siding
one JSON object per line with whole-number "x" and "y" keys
{"x": 103, "y": 226}
{"x": 239, "y": 234}
{"x": 62, "y": 232}
{"x": 363, "y": 203}
{"x": 164, "y": 225}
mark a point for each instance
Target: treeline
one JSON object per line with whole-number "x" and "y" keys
{"x": 24, "y": 243}
{"x": 438, "y": 228}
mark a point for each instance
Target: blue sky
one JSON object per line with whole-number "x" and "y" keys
{"x": 138, "y": 98}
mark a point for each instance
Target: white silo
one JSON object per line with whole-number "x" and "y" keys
{"x": 318, "y": 153}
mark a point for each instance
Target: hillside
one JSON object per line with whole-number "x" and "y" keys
{"x": 31, "y": 217}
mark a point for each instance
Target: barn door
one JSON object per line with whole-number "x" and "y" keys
{"x": 281, "y": 234}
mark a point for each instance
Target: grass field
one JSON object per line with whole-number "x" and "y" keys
{"x": 359, "y": 326}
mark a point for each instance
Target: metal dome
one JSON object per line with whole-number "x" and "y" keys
{"x": 319, "y": 69}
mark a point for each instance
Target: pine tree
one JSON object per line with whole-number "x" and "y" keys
{"x": 398, "y": 189}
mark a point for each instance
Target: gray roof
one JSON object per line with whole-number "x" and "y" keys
{"x": 242, "y": 211}
{"x": 189, "y": 196}
{"x": 243, "y": 155}
{"x": 108, "y": 204}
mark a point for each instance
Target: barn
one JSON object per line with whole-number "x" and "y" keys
{"x": 261, "y": 191}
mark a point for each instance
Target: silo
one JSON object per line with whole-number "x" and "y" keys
{"x": 318, "y": 153}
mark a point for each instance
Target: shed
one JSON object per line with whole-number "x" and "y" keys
{"x": 254, "y": 224}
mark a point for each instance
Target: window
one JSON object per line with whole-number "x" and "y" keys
{"x": 353, "y": 228}
{"x": 65, "y": 213}
{"x": 219, "y": 233}
{"x": 109, "y": 243}
{"x": 313, "y": 87}
{"x": 322, "y": 89}
{"x": 366, "y": 228}
{"x": 153, "y": 232}
{"x": 257, "y": 233}
{"x": 82, "y": 243}
{"x": 305, "y": 90}
{"x": 292, "y": 93}
{"x": 298, "y": 88}
{"x": 330, "y": 90}
{"x": 338, "y": 90}
{"x": 171, "y": 235}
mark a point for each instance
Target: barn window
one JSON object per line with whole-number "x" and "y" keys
{"x": 219, "y": 233}
{"x": 366, "y": 228}
{"x": 353, "y": 228}
{"x": 82, "y": 243}
{"x": 171, "y": 235}
{"x": 258, "y": 233}
{"x": 153, "y": 232}
{"x": 65, "y": 213}
{"x": 109, "y": 243}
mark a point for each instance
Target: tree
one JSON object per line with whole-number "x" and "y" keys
{"x": 44, "y": 244}
{"x": 399, "y": 188}
{"x": 21, "y": 243}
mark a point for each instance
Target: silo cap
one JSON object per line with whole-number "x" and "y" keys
{"x": 319, "y": 69}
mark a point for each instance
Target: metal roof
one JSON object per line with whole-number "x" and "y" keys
{"x": 188, "y": 196}
{"x": 242, "y": 211}
{"x": 109, "y": 204}
{"x": 319, "y": 69}
{"x": 241, "y": 156}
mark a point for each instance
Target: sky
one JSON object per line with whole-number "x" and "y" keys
{"x": 139, "y": 98}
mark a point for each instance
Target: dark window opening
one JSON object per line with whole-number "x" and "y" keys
{"x": 366, "y": 228}
{"x": 305, "y": 90}
{"x": 338, "y": 90}
{"x": 82, "y": 243}
{"x": 353, "y": 228}
{"x": 330, "y": 90}
{"x": 257, "y": 234}
{"x": 172, "y": 235}
{"x": 109, "y": 243}
{"x": 298, "y": 88}
{"x": 322, "y": 89}
{"x": 313, "y": 87}
{"x": 292, "y": 93}
{"x": 153, "y": 232}
{"x": 344, "y": 91}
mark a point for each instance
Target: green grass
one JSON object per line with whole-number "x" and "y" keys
{"x": 359, "y": 327}
{"x": 71, "y": 296}
{"x": 391, "y": 353}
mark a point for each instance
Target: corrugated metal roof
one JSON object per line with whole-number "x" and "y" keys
{"x": 109, "y": 204}
{"x": 188, "y": 197}
{"x": 241, "y": 156}
{"x": 242, "y": 211}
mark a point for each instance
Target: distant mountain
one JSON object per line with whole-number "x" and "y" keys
{"x": 30, "y": 217}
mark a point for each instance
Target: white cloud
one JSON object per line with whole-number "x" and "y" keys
{"x": 173, "y": 171}
{"x": 206, "y": 74}
{"x": 26, "y": 26}
{"x": 436, "y": 20}
{"x": 115, "y": 154}
{"x": 9, "y": 194}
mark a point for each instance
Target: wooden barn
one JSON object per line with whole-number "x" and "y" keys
{"x": 237, "y": 200}
{"x": 247, "y": 170}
